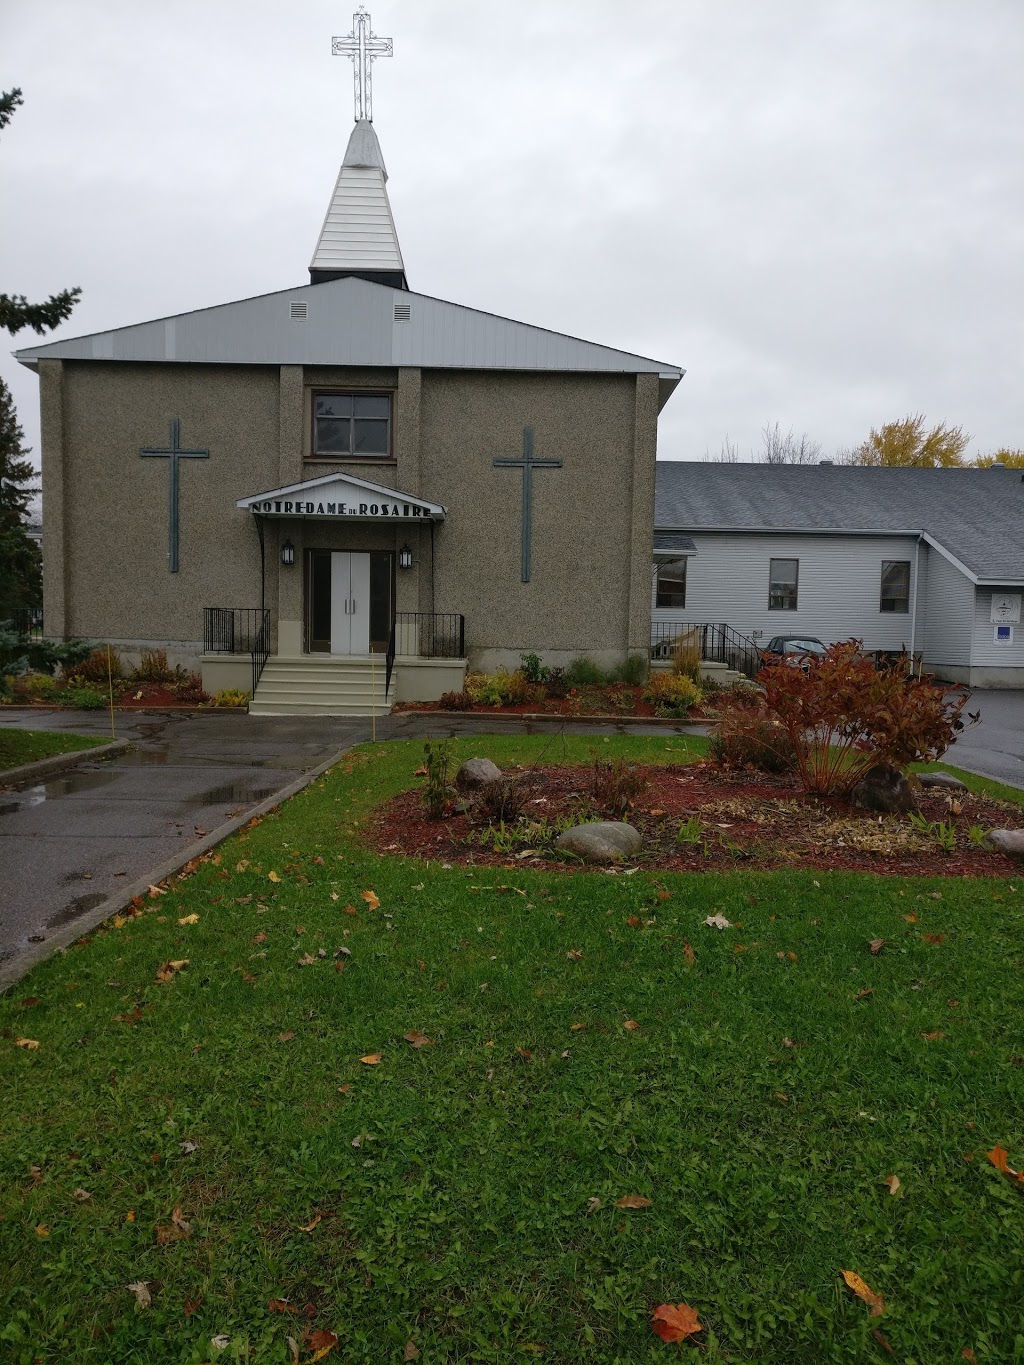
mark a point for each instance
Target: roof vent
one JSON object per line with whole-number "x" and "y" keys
{"x": 997, "y": 464}
{"x": 403, "y": 312}
{"x": 298, "y": 310}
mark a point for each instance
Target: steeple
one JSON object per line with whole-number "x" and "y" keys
{"x": 358, "y": 236}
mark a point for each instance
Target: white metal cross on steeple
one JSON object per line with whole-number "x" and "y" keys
{"x": 362, "y": 45}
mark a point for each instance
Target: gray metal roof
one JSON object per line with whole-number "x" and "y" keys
{"x": 974, "y": 516}
{"x": 669, "y": 543}
{"x": 359, "y": 229}
{"x": 354, "y": 322}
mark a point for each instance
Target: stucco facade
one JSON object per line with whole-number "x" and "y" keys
{"x": 106, "y": 507}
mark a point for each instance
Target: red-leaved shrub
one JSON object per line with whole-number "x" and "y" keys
{"x": 843, "y": 715}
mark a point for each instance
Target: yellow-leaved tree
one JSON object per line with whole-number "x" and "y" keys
{"x": 907, "y": 443}
{"x": 1013, "y": 459}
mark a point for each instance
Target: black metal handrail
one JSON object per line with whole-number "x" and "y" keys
{"x": 717, "y": 642}
{"x": 389, "y": 658}
{"x": 260, "y": 651}
{"x": 231, "y": 630}
{"x": 426, "y": 635}
{"x": 28, "y": 622}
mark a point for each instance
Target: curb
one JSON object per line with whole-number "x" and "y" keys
{"x": 12, "y": 972}
{"x": 549, "y": 719}
{"x": 57, "y": 763}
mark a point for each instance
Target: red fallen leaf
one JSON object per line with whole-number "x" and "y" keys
{"x": 309, "y": 1310}
{"x": 634, "y": 921}
{"x": 192, "y": 1304}
{"x": 931, "y": 1037}
{"x": 664, "y": 895}
{"x": 350, "y": 910}
{"x": 911, "y": 918}
{"x": 968, "y": 1354}
{"x": 998, "y": 1156}
{"x": 881, "y": 1340}
{"x": 29, "y": 1001}
{"x": 156, "y": 1158}
{"x": 689, "y": 956}
{"x": 259, "y": 938}
{"x": 371, "y": 898}
{"x": 169, "y": 969}
{"x": 632, "y": 1201}
{"x": 321, "y": 1343}
{"x": 280, "y": 1306}
{"x": 133, "y": 1018}
{"x": 417, "y": 1040}
{"x": 632, "y": 1025}
{"x": 675, "y": 1321}
{"x": 933, "y": 938}
{"x": 864, "y": 992}
{"x": 524, "y": 1052}
{"x": 875, "y": 946}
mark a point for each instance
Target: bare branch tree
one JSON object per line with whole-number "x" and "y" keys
{"x": 779, "y": 448}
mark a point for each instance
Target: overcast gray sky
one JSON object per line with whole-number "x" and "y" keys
{"x": 815, "y": 206}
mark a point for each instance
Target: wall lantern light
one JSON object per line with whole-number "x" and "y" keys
{"x": 405, "y": 558}
{"x": 288, "y": 554}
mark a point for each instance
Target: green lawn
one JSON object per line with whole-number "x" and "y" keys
{"x": 447, "y": 1196}
{"x": 25, "y": 746}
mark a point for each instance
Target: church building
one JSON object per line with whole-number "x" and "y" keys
{"x": 347, "y": 491}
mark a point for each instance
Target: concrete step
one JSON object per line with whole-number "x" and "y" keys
{"x": 321, "y": 685}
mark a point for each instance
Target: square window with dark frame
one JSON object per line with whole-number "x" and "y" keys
{"x": 351, "y": 425}
{"x": 895, "y": 592}
{"x": 783, "y": 576}
{"x": 671, "y": 584}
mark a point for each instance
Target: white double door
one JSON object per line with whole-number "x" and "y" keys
{"x": 350, "y": 602}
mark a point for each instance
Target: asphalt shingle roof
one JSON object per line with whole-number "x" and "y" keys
{"x": 975, "y": 514}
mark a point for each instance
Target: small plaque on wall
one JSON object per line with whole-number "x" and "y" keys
{"x": 1003, "y": 635}
{"x": 1006, "y": 607}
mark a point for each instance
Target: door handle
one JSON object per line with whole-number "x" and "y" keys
{"x": 353, "y": 606}
{"x": 346, "y": 606}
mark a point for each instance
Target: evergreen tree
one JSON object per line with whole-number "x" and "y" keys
{"x": 15, "y": 310}
{"x": 21, "y": 583}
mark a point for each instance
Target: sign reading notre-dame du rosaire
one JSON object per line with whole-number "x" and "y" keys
{"x": 339, "y": 509}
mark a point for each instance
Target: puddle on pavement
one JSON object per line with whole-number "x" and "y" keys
{"x": 70, "y": 784}
{"x": 229, "y": 793}
{"x": 74, "y": 908}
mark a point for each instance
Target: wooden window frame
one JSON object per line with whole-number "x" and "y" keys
{"x": 669, "y": 564}
{"x": 772, "y": 605}
{"x": 339, "y": 457}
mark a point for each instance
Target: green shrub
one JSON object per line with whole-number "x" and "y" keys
{"x": 437, "y": 792}
{"x": 484, "y": 689}
{"x": 34, "y": 686}
{"x": 583, "y": 672}
{"x": 633, "y": 670}
{"x": 671, "y": 694}
{"x": 85, "y": 698}
{"x": 188, "y": 688}
{"x": 749, "y": 736}
{"x": 230, "y": 696}
{"x": 532, "y": 669}
{"x": 686, "y": 656}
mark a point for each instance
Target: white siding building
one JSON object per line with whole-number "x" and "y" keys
{"x": 926, "y": 560}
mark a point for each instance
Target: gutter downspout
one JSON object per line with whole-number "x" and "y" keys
{"x": 913, "y": 618}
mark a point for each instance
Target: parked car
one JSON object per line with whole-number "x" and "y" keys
{"x": 795, "y": 649}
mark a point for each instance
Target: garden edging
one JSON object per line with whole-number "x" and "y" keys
{"x": 12, "y": 971}
{"x": 670, "y": 721}
{"x": 56, "y": 763}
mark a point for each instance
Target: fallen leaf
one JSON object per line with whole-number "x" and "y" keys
{"x": 864, "y": 992}
{"x": 575, "y": 1028}
{"x": 893, "y": 1181}
{"x": 179, "y": 1222}
{"x": 935, "y": 895}
{"x": 371, "y": 898}
{"x": 29, "y": 1001}
{"x": 81, "y": 1196}
{"x": 593, "y": 1204}
{"x": 30, "y": 1043}
{"x": 574, "y": 955}
{"x": 717, "y": 922}
{"x": 130, "y": 1216}
{"x": 998, "y": 1156}
{"x": 349, "y": 910}
{"x": 663, "y": 895}
{"x": 968, "y": 1354}
{"x": 308, "y": 1227}
{"x": 220, "y": 1342}
{"x": 42, "y": 1230}
{"x": 189, "y": 919}
{"x": 168, "y": 970}
{"x": 689, "y": 956}
{"x": 189, "y": 1146}
{"x": 344, "y": 1089}
{"x": 632, "y": 1201}
{"x": 285, "y": 1037}
{"x": 417, "y": 1040}
{"x": 372, "y": 1059}
{"x": 525, "y": 1053}
{"x": 192, "y": 1304}
{"x": 143, "y": 1298}
{"x": 293, "y": 1350}
{"x": 419, "y": 772}
{"x": 36, "y": 1172}
{"x": 881, "y": 1340}
{"x": 931, "y": 1037}
{"x": 307, "y": 960}
{"x": 739, "y": 947}
{"x": 632, "y": 1025}
{"x": 321, "y": 1344}
{"x": 675, "y": 1321}
{"x": 155, "y": 891}
{"x": 280, "y": 1306}
{"x": 411, "y": 1352}
{"x": 786, "y": 957}
{"x": 875, "y": 946}
{"x": 933, "y": 938}
{"x": 273, "y": 876}
{"x": 911, "y": 918}
{"x": 634, "y": 921}
{"x": 874, "y": 1301}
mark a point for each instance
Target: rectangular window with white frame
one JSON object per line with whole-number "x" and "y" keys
{"x": 671, "y": 584}
{"x": 895, "y": 588}
{"x": 783, "y": 577}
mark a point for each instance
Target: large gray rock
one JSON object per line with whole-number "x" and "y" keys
{"x": 883, "y": 788}
{"x": 1009, "y": 841}
{"x": 476, "y": 773}
{"x": 946, "y": 780}
{"x": 602, "y": 842}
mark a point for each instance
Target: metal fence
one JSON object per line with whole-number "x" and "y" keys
{"x": 717, "y": 643}
{"x": 238, "y": 630}
{"x": 28, "y": 622}
{"x": 430, "y": 634}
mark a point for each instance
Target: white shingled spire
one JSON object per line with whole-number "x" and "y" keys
{"x": 358, "y": 236}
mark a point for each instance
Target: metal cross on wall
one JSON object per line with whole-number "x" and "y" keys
{"x": 174, "y": 454}
{"x": 527, "y": 464}
{"x": 363, "y": 46}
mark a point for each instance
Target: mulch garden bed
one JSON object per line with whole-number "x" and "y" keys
{"x": 743, "y": 820}
{"x": 620, "y": 699}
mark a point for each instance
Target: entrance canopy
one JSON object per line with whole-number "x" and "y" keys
{"x": 341, "y": 495}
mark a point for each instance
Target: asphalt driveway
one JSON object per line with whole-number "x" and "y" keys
{"x": 995, "y": 746}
